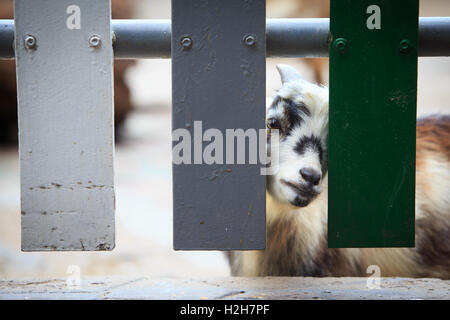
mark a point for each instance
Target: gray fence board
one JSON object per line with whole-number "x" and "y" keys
{"x": 65, "y": 125}
{"x": 219, "y": 80}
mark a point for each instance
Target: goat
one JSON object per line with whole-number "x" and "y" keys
{"x": 297, "y": 198}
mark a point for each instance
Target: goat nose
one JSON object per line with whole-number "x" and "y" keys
{"x": 311, "y": 175}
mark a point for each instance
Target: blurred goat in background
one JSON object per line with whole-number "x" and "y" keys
{"x": 303, "y": 9}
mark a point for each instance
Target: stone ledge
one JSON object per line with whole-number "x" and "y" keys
{"x": 224, "y": 288}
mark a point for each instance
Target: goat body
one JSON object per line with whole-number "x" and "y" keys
{"x": 297, "y": 236}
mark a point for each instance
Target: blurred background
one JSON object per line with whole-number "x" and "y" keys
{"x": 143, "y": 154}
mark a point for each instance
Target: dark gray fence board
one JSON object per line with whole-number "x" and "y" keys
{"x": 220, "y": 81}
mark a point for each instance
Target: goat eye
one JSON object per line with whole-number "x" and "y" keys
{"x": 273, "y": 124}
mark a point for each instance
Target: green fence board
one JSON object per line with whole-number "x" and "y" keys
{"x": 373, "y": 93}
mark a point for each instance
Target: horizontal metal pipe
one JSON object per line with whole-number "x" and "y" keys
{"x": 297, "y": 37}
{"x": 136, "y": 39}
{"x": 434, "y": 37}
{"x": 6, "y": 39}
{"x": 293, "y": 38}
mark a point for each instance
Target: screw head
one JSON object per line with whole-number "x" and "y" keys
{"x": 95, "y": 41}
{"x": 30, "y": 42}
{"x": 186, "y": 42}
{"x": 340, "y": 44}
{"x": 404, "y": 46}
{"x": 250, "y": 40}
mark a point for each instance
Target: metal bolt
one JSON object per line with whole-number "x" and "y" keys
{"x": 30, "y": 42}
{"x": 95, "y": 41}
{"x": 340, "y": 44}
{"x": 186, "y": 42}
{"x": 249, "y": 40}
{"x": 405, "y": 46}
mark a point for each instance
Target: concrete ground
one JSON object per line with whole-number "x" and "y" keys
{"x": 272, "y": 288}
{"x": 144, "y": 212}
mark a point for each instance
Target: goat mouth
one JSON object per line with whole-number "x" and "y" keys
{"x": 303, "y": 192}
{"x": 298, "y": 202}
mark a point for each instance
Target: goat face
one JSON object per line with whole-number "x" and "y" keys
{"x": 300, "y": 113}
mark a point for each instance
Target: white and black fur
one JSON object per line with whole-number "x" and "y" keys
{"x": 303, "y": 158}
{"x": 297, "y": 201}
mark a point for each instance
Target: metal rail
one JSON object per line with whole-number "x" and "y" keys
{"x": 143, "y": 39}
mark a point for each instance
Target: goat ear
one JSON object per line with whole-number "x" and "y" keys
{"x": 288, "y": 73}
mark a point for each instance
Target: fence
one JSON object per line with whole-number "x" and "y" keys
{"x": 285, "y": 38}
{"x": 64, "y": 52}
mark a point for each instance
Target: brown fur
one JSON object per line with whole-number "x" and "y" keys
{"x": 433, "y": 137}
{"x": 296, "y": 237}
{"x": 433, "y": 194}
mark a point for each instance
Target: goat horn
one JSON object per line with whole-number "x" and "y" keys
{"x": 288, "y": 73}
